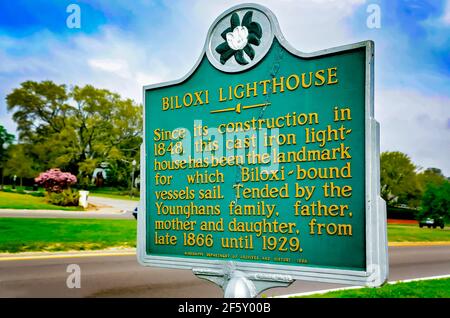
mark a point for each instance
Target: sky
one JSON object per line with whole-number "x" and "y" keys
{"x": 123, "y": 45}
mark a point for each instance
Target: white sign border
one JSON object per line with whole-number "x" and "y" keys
{"x": 377, "y": 266}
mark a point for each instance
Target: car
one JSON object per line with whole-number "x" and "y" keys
{"x": 135, "y": 212}
{"x": 430, "y": 222}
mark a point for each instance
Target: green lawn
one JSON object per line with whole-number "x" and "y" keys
{"x": 25, "y": 235}
{"x": 413, "y": 233}
{"x": 28, "y": 202}
{"x": 113, "y": 196}
{"x": 435, "y": 288}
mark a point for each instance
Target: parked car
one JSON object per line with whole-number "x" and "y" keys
{"x": 429, "y": 222}
{"x": 135, "y": 212}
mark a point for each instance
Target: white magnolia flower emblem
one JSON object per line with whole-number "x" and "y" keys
{"x": 238, "y": 39}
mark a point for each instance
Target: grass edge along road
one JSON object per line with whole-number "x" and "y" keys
{"x": 432, "y": 287}
{"x": 52, "y": 235}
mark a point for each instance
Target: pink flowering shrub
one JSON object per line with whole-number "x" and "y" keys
{"x": 54, "y": 180}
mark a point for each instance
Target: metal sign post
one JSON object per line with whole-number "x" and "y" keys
{"x": 261, "y": 165}
{"x": 238, "y": 284}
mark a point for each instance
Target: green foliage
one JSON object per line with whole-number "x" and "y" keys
{"x": 37, "y": 194}
{"x": 431, "y": 176}
{"x": 19, "y": 162}
{"x": 67, "y": 197}
{"x": 76, "y": 129}
{"x": 115, "y": 196}
{"x": 133, "y": 192}
{"x": 5, "y": 140}
{"x": 119, "y": 174}
{"x": 436, "y": 201}
{"x": 399, "y": 183}
{"x": 19, "y": 190}
{"x": 40, "y": 192}
{"x": 85, "y": 170}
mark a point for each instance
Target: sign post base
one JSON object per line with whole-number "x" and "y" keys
{"x": 238, "y": 284}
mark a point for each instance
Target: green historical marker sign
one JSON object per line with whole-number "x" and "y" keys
{"x": 265, "y": 161}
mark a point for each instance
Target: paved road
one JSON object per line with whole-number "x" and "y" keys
{"x": 113, "y": 205}
{"x": 107, "y": 209}
{"x": 121, "y": 276}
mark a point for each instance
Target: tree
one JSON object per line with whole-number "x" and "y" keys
{"x": 42, "y": 113}
{"x": 39, "y": 109}
{"x": 6, "y": 139}
{"x": 19, "y": 163}
{"x": 76, "y": 129}
{"x": 109, "y": 128}
{"x": 399, "y": 182}
{"x": 430, "y": 176}
{"x": 436, "y": 201}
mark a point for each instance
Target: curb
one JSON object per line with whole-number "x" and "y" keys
{"x": 324, "y": 291}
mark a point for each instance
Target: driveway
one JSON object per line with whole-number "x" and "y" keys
{"x": 112, "y": 205}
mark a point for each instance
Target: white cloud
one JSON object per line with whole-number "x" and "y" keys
{"x": 111, "y": 59}
{"x": 417, "y": 125}
{"x": 118, "y": 67}
{"x": 309, "y": 25}
{"x": 108, "y": 60}
{"x": 446, "y": 15}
